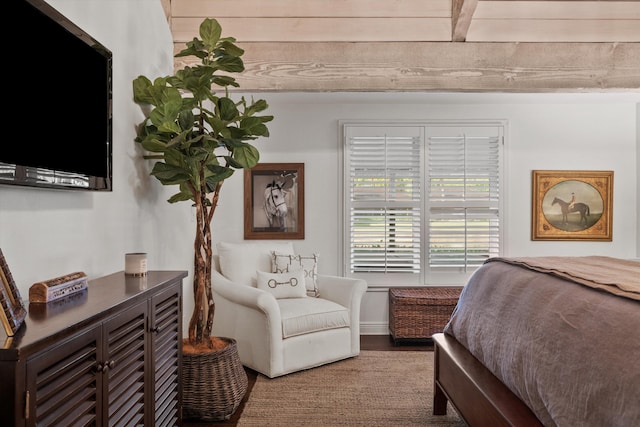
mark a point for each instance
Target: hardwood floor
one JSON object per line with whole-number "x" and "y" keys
{"x": 367, "y": 342}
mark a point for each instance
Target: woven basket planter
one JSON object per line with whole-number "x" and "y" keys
{"x": 213, "y": 384}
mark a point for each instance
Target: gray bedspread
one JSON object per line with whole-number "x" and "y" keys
{"x": 571, "y": 352}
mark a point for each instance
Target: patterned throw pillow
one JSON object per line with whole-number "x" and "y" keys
{"x": 282, "y": 285}
{"x": 283, "y": 262}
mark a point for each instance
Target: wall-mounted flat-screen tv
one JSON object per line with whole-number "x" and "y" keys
{"x": 58, "y": 103}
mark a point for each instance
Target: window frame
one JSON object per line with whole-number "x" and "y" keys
{"x": 427, "y": 276}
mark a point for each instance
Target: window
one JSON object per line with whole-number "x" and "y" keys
{"x": 422, "y": 201}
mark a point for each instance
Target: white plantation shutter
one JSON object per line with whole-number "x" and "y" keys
{"x": 463, "y": 179}
{"x": 422, "y": 199}
{"x": 384, "y": 188}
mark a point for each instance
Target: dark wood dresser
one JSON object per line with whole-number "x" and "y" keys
{"x": 110, "y": 355}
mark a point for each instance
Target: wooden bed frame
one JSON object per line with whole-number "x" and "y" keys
{"x": 480, "y": 398}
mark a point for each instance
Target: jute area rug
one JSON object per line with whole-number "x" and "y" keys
{"x": 376, "y": 388}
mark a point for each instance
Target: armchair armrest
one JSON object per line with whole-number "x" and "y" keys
{"x": 244, "y": 295}
{"x": 347, "y": 292}
{"x": 252, "y": 317}
{"x": 342, "y": 290}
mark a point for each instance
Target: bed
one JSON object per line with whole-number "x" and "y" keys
{"x": 544, "y": 341}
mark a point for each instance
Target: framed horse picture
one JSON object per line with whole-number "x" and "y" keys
{"x": 274, "y": 201}
{"x": 572, "y": 205}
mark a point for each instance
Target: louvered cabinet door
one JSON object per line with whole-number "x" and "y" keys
{"x": 124, "y": 368}
{"x": 166, "y": 333}
{"x": 64, "y": 385}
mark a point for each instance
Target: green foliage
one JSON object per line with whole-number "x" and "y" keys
{"x": 198, "y": 139}
{"x": 195, "y": 133}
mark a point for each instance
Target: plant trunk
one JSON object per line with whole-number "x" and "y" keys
{"x": 201, "y": 322}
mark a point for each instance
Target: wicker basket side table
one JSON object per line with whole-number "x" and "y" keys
{"x": 418, "y": 313}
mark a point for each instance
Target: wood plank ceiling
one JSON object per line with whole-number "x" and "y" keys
{"x": 425, "y": 45}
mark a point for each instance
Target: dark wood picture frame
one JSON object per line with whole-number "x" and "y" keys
{"x": 269, "y": 188}
{"x": 13, "y": 311}
{"x": 572, "y": 205}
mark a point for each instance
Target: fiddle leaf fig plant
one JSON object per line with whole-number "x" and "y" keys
{"x": 198, "y": 139}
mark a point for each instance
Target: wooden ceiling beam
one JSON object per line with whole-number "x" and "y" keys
{"x": 438, "y": 66}
{"x": 555, "y": 21}
{"x": 310, "y": 8}
{"x": 461, "y": 17}
{"x": 341, "y": 29}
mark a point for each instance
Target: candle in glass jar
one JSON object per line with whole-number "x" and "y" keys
{"x": 135, "y": 264}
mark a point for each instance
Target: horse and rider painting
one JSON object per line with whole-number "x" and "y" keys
{"x": 572, "y": 205}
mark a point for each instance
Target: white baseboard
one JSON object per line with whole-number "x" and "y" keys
{"x": 374, "y": 328}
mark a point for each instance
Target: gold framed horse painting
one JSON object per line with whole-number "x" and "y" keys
{"x": 572, "y": 205}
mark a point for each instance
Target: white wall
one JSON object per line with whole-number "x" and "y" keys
{"x": 568, "y": 131}
{"x": 45, "y": 234}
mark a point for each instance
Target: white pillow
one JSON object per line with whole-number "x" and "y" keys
{"x": 283, "y": 285}
{"x": 287, "y": 261}
{"x": 239, "y": 261}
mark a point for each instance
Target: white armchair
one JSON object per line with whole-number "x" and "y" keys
{"x": 279, "y": 336}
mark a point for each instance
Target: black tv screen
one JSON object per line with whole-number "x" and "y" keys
{"x": 60, "y": 130}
